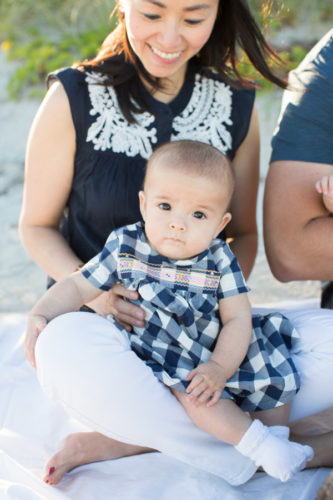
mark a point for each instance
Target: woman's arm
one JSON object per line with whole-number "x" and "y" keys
{"x": 67, "y": 295}
{"x": 48, "y": 180}
{"x": 243, "y": 226}
{"x": 49, "y": 174}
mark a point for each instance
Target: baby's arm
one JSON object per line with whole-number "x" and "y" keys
{"x": 65, "y": 296}
{"x": 325, "y": 187}
{"x": 208, "y": 379}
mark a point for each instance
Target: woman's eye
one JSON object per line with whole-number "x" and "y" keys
{"x": 152, "y": 17}
{"x": 193, "y": 21}
{"x": 199, "y": 215}
{"x": 164, "y": 206}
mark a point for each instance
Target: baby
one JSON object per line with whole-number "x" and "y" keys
{"x": 198, "y": 339}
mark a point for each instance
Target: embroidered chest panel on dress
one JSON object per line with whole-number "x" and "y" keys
{"x": 206, "y": 118}
{"x": 197, "y": 280}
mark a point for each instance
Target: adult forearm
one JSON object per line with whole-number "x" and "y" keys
{"x": 51, "y": 252}
{"x": 61, "y": 298}
{"x": 304, "y": 254}
{"x": 298, "y": 232}
{"x": 245, "y": 249}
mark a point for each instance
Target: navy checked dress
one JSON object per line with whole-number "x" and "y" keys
{"x": 180, "y": 299}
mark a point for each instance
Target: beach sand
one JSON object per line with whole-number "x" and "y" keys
{"x": 22, "y": 282}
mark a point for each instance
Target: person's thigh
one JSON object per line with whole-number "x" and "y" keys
{"x": 313, "y": 357}
{"x": 87, "y": 366}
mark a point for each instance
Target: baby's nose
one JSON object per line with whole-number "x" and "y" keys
{"x": 177, "y": 225}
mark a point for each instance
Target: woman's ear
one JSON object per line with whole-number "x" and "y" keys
{"x": 225, "y": 220}
{"x": 143, "y": 204}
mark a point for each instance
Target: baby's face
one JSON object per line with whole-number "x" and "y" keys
{"x": 182, "y": 212}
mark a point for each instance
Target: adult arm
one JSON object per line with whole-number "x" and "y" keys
{"x": 49, "y": 174}
{"x": 243, "y": 226}
{"x": 48, "y": 179}
{"x": 298, "y": 232}
{"x": 67, "y": 295}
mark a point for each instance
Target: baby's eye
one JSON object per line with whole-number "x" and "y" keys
{"x": 164, "y": 206}
{"x": 199, "y": 215}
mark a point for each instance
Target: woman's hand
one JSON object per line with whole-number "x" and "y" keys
{"x": 35, "y": 326}
{"x": 113, "y": 302}
{"x": 207, "y": 383}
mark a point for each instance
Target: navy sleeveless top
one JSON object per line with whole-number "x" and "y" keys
{"x": 111, "y": 153}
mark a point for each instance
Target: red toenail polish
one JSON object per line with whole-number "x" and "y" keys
{"x": 51, "y": 471}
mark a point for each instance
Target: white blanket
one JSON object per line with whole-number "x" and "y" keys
{"x": 31, "y": 427}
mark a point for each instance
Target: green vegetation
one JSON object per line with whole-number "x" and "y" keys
{"x": 43, "y": 35}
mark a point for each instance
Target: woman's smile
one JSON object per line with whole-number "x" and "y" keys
{"x": 169, "y": 56}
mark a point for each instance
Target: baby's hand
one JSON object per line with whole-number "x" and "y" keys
{"x": 325, "y": 187}
{"x": 207, "y": 383}
{"x": 34, "y": 327}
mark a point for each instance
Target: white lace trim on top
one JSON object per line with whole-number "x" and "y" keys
{"x": 206, "y": 115}
{"x": 111, "y": 130}
{"x": 204, "y": 119}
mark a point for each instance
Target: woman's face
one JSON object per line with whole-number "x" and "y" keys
{"x": 165, "y": 34}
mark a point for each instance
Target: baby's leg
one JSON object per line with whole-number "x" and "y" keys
{"x": 274, "y": 416}
{"x": 278, "y": 456}
{"x": 225, "y": 420}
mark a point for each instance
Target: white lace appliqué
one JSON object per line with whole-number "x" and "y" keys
{"x": 206, "y": 115}
{"x": 111, "y": 130}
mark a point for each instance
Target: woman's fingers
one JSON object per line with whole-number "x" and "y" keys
{"x": 116, "y": 302}
{"x": 125, "y": 312}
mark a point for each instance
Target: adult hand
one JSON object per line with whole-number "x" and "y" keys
{"x": 207, "y": 383}
{"x": 34, "y": 327}
{"x": 113, "y": 302}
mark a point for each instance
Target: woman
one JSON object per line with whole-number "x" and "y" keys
{"x": 88, "y": 144}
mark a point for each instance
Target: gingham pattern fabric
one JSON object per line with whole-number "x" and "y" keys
{"x": 180, "y": 299}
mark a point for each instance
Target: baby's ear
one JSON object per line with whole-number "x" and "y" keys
{"x": 225, "y": 220}
{"x": 143, "y": 204}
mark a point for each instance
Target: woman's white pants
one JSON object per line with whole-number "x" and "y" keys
{"x": 87, "y": 366}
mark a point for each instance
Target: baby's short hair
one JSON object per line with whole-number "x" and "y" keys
{"x": 198, "y": 159}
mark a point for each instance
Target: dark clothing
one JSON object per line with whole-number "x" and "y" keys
{"x": 305, "y": 129}
{"x": 111, "y": 153}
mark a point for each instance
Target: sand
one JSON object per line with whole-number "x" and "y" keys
{"x": 22, "y": 282}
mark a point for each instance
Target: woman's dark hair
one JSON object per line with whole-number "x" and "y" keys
{"x": 234, "y": 27}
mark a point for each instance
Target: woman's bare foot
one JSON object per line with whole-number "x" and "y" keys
{"x": 84, "y": 448}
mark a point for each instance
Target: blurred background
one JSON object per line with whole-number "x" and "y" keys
{"x": 38, "y": 36}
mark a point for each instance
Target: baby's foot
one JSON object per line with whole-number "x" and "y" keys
{"x": 281, "y": 458}
{"x": 279, "y": 431}
{"x": 84, "y": 448}
{"x": 278, "y": 456}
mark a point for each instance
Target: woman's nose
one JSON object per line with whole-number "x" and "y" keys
{"x": 170, "y": 37}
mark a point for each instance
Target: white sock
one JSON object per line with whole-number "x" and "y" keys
{"x": 278, "y": 456}
{"x": 280, "y": 431}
